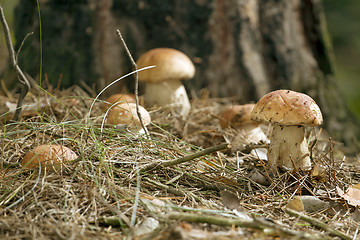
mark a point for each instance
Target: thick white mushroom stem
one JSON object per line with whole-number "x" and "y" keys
{"x": 170, "y": 94}
{"x": 288, "y": 148}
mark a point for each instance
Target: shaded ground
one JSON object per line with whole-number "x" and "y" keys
{"x": 106, "y": 195}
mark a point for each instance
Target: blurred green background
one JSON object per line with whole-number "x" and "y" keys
{"x": 343, "y": 19}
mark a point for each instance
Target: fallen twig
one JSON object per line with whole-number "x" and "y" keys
{"x": 21, "y": 76}
{"x": 137, "y": 195}
{"x": 317, "y": 224}
{"x": 270, "y": 228}
{"x": 156, "y": 165}
{"x": 178, "y": 192}
{"x": 166, "y": 187}
{"x": 113, "y": 221}
{"x": 136, "y": 82}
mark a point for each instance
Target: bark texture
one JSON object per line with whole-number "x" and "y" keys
{"x": 242, "y": 48}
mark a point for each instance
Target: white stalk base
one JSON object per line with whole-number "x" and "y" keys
{"x": 170, "y": 94}
{"x": 288, "y": 148}
{"x": 250, "y": 134}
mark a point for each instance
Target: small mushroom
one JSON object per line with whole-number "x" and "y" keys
{"x": 125, "y": 113}
{"x": 163, "y": 83}
{"x": 118, "y": 98}
{"x": 238, "y": 117}
{"x": 47, "y": 156}
{"x": 289, "y": 112}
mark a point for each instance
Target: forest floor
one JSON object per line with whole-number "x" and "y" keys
{"x": 110, "y": 193}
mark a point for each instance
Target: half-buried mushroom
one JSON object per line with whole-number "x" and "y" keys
{"x": 48, "y": 156}
{"x": 126, "y": 114}
{"x": 238, "y": 117}
{"x": 117, "y": 98}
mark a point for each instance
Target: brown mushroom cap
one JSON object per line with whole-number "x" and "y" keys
{"x": 125, "y": 113}
{"x": 170, "y": 64}
{"x": 286, "y": 107}
{"x": 47, "y": 155}
{"x": 118, "y": 97}
{"x": 237, "y": 115}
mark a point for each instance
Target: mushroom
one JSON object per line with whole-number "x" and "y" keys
{"x": 289, "y": 112}
{"x": 163, "y": 83}
{"x": 118, "y": 98}
{"x": 125, "y": 113}
{"x": 51, "y": 156}
{"x": 238, "y": 117}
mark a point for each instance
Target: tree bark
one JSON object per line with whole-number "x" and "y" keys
{"x": 241, "y": 48}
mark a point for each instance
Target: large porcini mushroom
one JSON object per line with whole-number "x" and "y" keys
{"x": 117, "y": 98}
{"x": 288, "y": 112}
{"x": 238, "y": 117}
{"x": 48, "y": 156}
{"x": 125, "y": 113}
{"x": 163, "y": 82}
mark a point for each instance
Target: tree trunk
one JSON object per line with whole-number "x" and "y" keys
{"x": 241, "y": 48}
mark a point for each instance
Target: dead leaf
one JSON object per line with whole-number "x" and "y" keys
{"x": 260, "y": 153}
{"x": 352, "y": 195}
{"x": 313, "y": 204}
{"x": 296, "y": 204}
{"x": 259, "y": 178}
{"x": 318, "y": 173}
{"x": 230, "y": 200}
{"x": 356, "y": 215}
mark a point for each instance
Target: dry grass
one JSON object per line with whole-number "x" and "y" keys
{"x": 95, "y": 197}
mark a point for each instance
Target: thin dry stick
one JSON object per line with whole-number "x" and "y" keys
{"x": 317, "y": 224}
{"x": 169, "y": 189}
{"x": 137, "y": 196}
{"x": 21, "y": 76}
{"x": 21, "y": 45}
{"x": 157, "y": 165}
{"x": 223, "y": 221}
{"x": 178, "y": 192}
{"x": 136, "y": 82}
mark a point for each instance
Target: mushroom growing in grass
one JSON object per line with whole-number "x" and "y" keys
{"x": 238, "y": 117}
{"x": 48, "y": 156}
{"x": 118, "y": 98}
{"x": 163, "y": 82}
{"x": 288, "y": 112}
{"x": 125, "y": 113}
